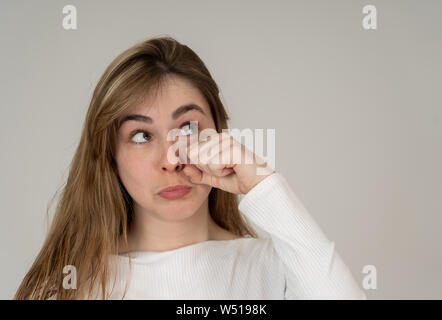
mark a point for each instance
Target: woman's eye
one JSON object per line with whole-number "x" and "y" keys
{"x": 189, "y": 128}
{"x": 139, "y": 136}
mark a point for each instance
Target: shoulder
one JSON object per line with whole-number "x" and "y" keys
{"x": 255, "y": 247}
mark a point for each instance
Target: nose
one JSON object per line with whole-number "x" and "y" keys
{"x": 174, "y": 163}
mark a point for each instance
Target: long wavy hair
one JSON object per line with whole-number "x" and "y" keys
{"x": 94, "y": 210}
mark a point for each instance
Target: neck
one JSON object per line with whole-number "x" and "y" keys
{"x": 149, "y": 233}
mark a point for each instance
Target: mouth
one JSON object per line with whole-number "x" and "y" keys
{"x": 175, "y": 192}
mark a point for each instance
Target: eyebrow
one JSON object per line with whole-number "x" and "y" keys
{"x": 175, "y": 115}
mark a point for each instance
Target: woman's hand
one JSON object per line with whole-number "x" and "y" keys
{"x": 224, "y": 163}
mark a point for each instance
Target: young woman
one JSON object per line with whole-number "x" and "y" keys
{"x": 136, "y": 221}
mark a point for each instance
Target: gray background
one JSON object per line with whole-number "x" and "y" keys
{"x": 357, "y": 114}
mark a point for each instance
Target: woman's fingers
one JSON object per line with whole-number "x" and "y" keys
{"x": 212, "y": 156}
{"x": 193, "y": 173}
{"x": 200, "y": 177}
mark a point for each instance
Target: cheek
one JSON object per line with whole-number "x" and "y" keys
{"x": 135, "y": 171}
{"x": 202, "y": 192}
{"x": 134, "y": 163}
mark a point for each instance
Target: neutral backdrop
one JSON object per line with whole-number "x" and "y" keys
{"x": 357, "y": 115}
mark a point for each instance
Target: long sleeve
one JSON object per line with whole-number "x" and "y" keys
{"x": 313, "y": 268}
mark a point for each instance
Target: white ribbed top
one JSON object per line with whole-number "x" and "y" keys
{"x": 292, "y": 259}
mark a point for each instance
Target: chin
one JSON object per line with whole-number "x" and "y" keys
{"x": 180, "y": 208}
{"x": 176, "y": 212}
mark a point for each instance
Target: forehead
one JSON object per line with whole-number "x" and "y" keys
{"x": 172, "y": 92}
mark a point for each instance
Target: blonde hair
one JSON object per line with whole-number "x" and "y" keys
{"x": 95, "y": 211}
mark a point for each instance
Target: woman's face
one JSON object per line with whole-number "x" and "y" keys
{"x": 142, "y": 147}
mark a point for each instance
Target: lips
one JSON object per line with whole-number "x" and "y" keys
{"x": 175, "y": 192}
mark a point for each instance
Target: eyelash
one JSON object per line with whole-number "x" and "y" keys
{"x": 147, "y": 133}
